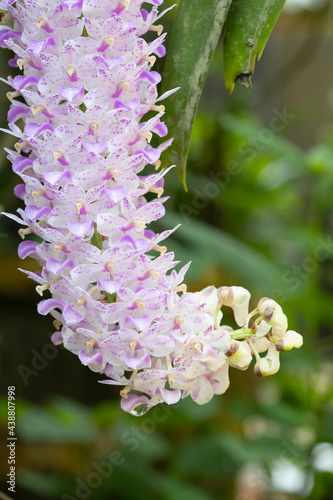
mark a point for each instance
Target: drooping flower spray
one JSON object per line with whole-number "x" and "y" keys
{"x": 88, "y": 85}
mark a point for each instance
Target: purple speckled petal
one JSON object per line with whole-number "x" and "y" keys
{"x": 7, "y": 34}
{"x": 72, "y": 317}
{"x": 152, "y": 76}
{"x": 160, "y": 51}
{"x": 38, "y": 46}
{"x": 144, "y": 13}
{"x": 54, "y": 177}
{"x": 34, "y": 130}
{"x": 109, "y": 286}
{"x": 109, "y": 63}
{"x": 94, "y": 147}
{"x": 20, "y": 82}
{"x": 95, "y": 362}
{"x": 161, "y": 129}
{"x": 71, "y": 93}
{"x": 45, "y": 306}
{"x": 56, "y": 338}
{"x": 21, "y": 163}
{"x": 20, "y": 190}
{"x": 131, "y": 106}
{"x": 81, "y": 229}
{"x": 72, "y": 4}
{"x": 138, "y": 363}
{"x": 56, "y": 267}
{"x": 17, "y": 112}
{"x": 139, "y": 323}
{"x": 13, "y": 62}
{"x": 34, "y": 213}
{"x": 169, "y": 397}
{"x": 138, "y": 244}
{"x": 116, "y": 194}
{"x": 152, "y": 154}
{"x": 26, "y": 248}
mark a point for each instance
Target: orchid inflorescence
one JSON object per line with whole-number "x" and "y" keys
{"x": 87, "y": 84}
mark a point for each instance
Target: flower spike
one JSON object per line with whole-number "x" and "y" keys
{"x": 88, "y": 85}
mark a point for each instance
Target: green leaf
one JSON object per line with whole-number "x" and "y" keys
{"x": 278, "y": 143}
{"x": 194, "y": 37}
{"x": 45, "y": 485}
{"x": 175, "y": 488}
{"x": 64, "y": 422}
{"x": 217, "y": 247}
{"x": 248, "y": 26}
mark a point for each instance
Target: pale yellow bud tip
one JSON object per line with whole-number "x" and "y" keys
{"x": 290, "y": 340}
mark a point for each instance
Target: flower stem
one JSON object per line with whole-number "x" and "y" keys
{"x": 242, "y": 333}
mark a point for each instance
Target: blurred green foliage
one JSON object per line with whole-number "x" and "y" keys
{"x": 258, "y": 214}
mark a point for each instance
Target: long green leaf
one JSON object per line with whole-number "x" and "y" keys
{"x": 194, "y": 37}
{"x": 248, "y": 26}
{"x": 278, "y": 144}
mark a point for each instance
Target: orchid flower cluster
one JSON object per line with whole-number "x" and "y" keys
{"x": 83, "y": 99}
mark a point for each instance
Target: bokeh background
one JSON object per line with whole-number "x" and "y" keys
{"x": 259, "y": 213}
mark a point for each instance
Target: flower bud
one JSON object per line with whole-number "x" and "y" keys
{"x": 225, "y": 295}
{"x": 273, "y": 315}
{"x": 267, "y": 307}
{"x": 238, "y": 299}
{"x": 268, "y": 365}
{"x": 290, "y": 340}
{"x": 239, "y": 355}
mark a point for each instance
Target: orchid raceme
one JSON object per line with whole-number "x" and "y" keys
{"x": 81, "y": 153}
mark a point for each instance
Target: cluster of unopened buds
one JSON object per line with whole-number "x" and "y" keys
{"x": 79, "y": 113}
